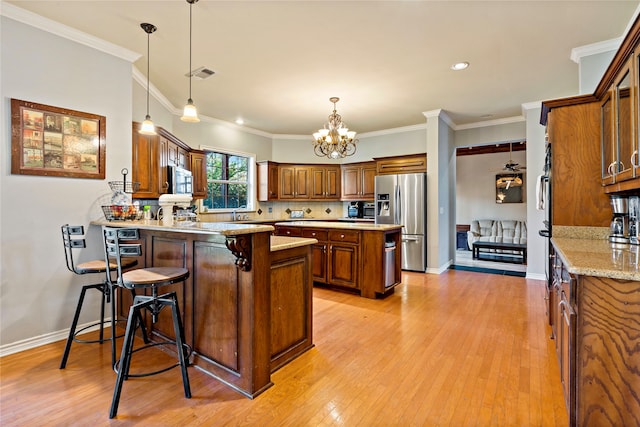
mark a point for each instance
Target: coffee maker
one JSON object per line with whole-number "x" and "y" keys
{"x": 620, "y": 220}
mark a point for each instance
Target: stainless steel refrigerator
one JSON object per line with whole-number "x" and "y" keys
{"x": 402, "y": 199}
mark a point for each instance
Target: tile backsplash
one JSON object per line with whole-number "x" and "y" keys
{"x": 282, "y": 210}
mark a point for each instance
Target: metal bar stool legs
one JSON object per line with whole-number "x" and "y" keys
{"x": 106, "y": 297}
{"x": 153, "y": 304}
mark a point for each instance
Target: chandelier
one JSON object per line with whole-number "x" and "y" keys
{"x": 335, "y": 140}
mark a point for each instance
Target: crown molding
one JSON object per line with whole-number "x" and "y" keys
{"x": 577, "y": 53}
{"x": 29, "y": 18}
{"x": 487, "y": 123}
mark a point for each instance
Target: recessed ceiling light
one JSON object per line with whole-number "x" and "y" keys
{"x": 239, "y": 121}
{"x": 459, "y": 66}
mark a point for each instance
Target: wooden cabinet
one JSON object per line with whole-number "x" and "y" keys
{"x": 294, "y": 182}
{"x": 412, "y": 163}
{"x": 267, "y": 181}
{"x": 297, "y": 182}
{"x": 595, "y": 325}
{"x": 619, "y": 144}
{"x": 358, "y": 181}
{"x": 564, "y": 332}
{"x": 343, "y": 258}
{"x": 338, "y": 257}
{"x": 577, "y": 198}
{"x": 151, "y": 154}
{"x": 199, "y": 171}
{"x": 325, "y": 182}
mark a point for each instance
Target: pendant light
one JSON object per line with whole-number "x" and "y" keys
{"x": 190, "y": 112}
{"x": 147, "y": 127}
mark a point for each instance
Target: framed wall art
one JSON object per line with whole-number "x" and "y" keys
{"x": 53, "y": 141}
{"x": 509, "y": 188}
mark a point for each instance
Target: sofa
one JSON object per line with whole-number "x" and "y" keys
{"x": 502, "y": 231}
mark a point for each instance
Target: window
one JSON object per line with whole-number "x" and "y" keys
{"x": 230, "y": 180}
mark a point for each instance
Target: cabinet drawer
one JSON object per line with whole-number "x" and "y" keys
{"x": 288, "y": 231}
{"x": 344, "y": 236}
{"x": 321, "y": 235}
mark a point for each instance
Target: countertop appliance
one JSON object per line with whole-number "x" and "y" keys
{"x": 620, "y": 220}
{"x": 369, "y": 210}
{"x": 354, "y": 210}
{"x": 402, "y": 199}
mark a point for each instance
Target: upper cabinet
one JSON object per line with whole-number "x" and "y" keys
{"x": 412, "y": 163}
{"x": 199, "y": 171}
{"x": 294, "y": 182}
{"x": 358, "y": 181}
{"x": 325, "y": 182}
{"x": 619, "y": 146}
{"x": 151, "y": 154}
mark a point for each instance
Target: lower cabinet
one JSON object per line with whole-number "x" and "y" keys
{"x": 337, "y": 258}
{"x": 596, "y": 327}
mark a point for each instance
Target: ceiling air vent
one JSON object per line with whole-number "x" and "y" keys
{"x": 201, "y": 73}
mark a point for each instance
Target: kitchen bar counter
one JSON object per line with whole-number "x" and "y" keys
{"x": 599, "y": 258}
{"x": 247, "y": 304}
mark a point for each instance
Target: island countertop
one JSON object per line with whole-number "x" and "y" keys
{"x": 223, "y": 228}
{"x": 342, "y": 225}
{"x": 598, "y": 257}
{"x": 280, "y": 243}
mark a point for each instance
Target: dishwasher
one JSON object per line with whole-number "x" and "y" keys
{"x": 389, "y": 264}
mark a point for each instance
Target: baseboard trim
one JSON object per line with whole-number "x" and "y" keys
{"x": 440, "y": 269}
{"x": 37, "y": 341}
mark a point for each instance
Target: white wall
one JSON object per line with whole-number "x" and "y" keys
{"x": 476, "y": 188}
{"x": 38, "y": 293}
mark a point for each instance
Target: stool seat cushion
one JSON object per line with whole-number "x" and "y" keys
{"x": 99, "y": 266}
{"x": 154, "y": 276}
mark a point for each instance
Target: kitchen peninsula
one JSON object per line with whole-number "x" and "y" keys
{"x": 359, "y": 257}
{"x": 247, "y": 304}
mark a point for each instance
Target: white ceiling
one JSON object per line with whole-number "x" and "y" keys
{"x": 277, "y": 63}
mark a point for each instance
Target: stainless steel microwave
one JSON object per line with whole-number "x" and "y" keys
{"x": 180, "y": 180}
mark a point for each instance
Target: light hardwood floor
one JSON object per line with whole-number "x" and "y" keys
{"x": 458, "y": 349}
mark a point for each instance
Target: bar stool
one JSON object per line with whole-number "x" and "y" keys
{"x": 116, "y": 246}
{"x": 71, "y": 243}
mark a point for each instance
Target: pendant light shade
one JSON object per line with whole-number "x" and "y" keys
{"x": 190, "y": 112}
{"x": 148, "y": 127}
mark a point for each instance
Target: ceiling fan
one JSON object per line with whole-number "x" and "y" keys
{"x": 512, "y": 166}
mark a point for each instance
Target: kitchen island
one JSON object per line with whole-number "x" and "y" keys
{"x": 594, "y": 312}
{"x": 247, "y": 304}
{"x": 359, "y": 257}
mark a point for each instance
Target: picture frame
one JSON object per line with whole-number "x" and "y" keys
{"x": 54, "y": 141}
{"x": 509, "y": 188}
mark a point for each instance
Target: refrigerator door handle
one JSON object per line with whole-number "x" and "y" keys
{"x": 409, "y": 239}
{"x": 397, "y": 213}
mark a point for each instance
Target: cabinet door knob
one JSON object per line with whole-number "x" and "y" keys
{"x": 342, "y": 236}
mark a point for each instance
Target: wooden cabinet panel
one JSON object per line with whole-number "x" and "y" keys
{"x": 145, "y": 163}
{"x": 343, "y": 262}
{"x": 608, "y": 359}
{"x": 577, "y": 196}
{"x": 291, "y": 305}
{"x": 346, "y": 236}
{"x": 412, "y": 163}
{"x": 358, "y": 181}
{"x": 325, "y": 182}
{"x": 199, "y": 170}
{"x": 294, "y": 182}
{"x": 319, "y": 262}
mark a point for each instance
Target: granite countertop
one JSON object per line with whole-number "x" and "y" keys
{"x": 224, "y": 228}
{"x": 279, "y": 243}
{"x": 598, "y": 257}
{"x": 342, "y": 225}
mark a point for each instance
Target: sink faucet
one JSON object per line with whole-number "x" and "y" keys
{"x": 233, "y": 215}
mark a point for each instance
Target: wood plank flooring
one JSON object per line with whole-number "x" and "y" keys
{"x": 458, "y": 349}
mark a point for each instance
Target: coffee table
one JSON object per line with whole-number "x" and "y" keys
{"x": 519, "y": 248}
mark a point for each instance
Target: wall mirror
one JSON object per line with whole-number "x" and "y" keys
{"x": 509, "y": 187}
